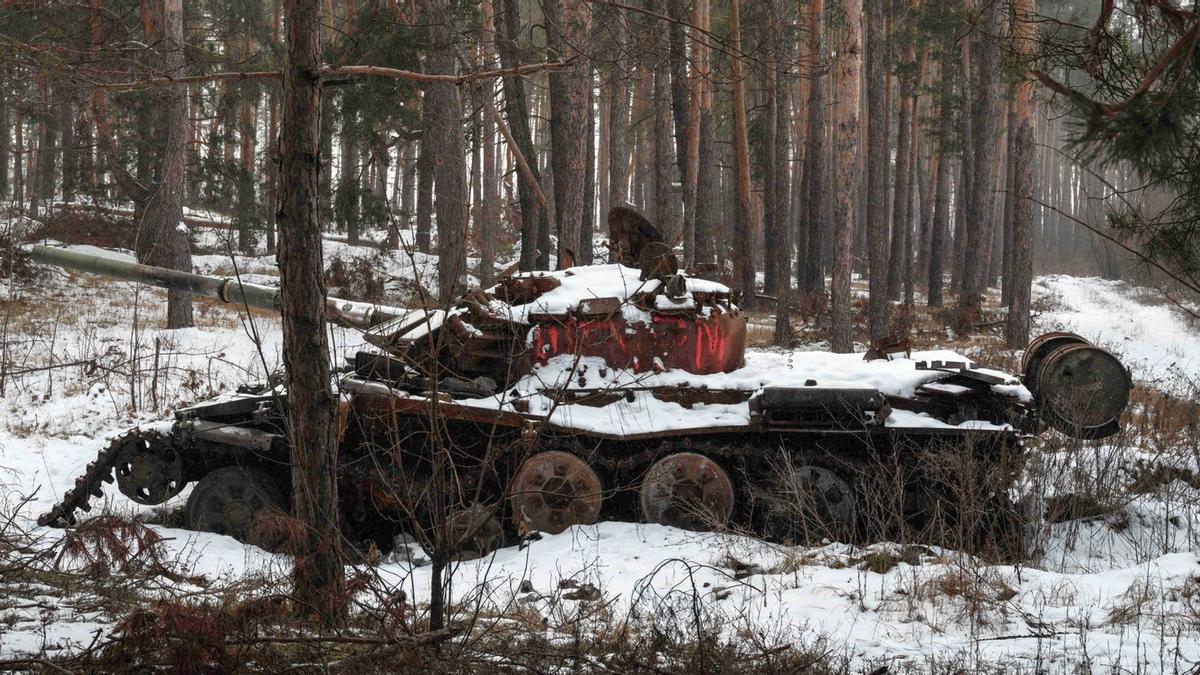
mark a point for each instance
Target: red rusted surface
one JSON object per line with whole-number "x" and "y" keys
{"x": 553, "y": 491}
{"x": 715, "y": 344}
{"x": 687, "y": 490}
{"x": 374, "y": 405}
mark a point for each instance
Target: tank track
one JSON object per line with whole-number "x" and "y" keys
{"x": 99, "y": 471}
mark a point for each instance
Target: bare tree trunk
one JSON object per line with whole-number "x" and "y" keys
{"x": 69, "y": 149}
{"x": 966, "y": 168}
{"x": 444, "y": 124}
{"x": 18, "y": 161}
{"x": 680, "y": 113}
{"x": 845, "y": 187}
{"x": 516, "y": 112}
{"x": 659, "y": 63}
{"x": 490, "y": 211}
{"x": 743, "y": 251}
{"x": 707, "y": 173}
{"x": 587, "y": 224}
{"x": 1017, "y": 331}
{"x": 691, "y": 174}
{"x": 939, "y": 238}
{"x": 1009, "y": 190}
{"x": 618, "y": 114}
{"x": 318, "y": 574}
{"x": 5, "y": 134}
{"x": 567, "y": 26}
{"x": 603, "y": 144}
{"x": 777, "y": 261}
{"x": 346, "y": 201}
{"x": 902, "y": 198}
{"x": 162, "y": 242}
{"x": 877, "y": 170}
{"x": 981, "y": 206}
{"x": 272, "y": 168}
{"x": 817, "y": 213}
{"x": 425, "y": 186}
{"x": 778, "y": 245}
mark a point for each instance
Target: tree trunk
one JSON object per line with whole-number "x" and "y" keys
{"x": 318, "y": 574}
{"x": 516, "y": 112}
{"x": 877, "y": 170}
{"x": 939, "y": 237}
{"x": 618, "y": 115}
{"x": 1023, "y": 158}
{"x": 448, "y": 149}
{"x": 1009, "y": 191}
{"x": 70, "y": 150}
{"x": 566, "y": 33}
{"x": 162, "y": 242}
{"x": 664, "y": 141}
{"x": 272, "y": 168}
{"x": 817, "y": 213}
{"x": 696, "y": 86}
{"x": 347, "y": 197}
{"x": 680, "y": 111}
{"x": 845, "y": 189}
{"x": 18, "y": 161}
{"x": 587, "y": 225}
{"x": 425, "y": 185}
{"x": 707, "y": 183}
{"x": 966, "y": 167}
{"x": 902, "y": 197}
{"x": 743, "y": 246}
{"x": 5, "y": 135}
{"x": 773, "y": 214}
{"x": 490, "y": 211}
{"x": 981, "y": 206}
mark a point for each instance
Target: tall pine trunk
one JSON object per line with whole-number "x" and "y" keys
{"x": 163, "y": 243}
{"x": 817, "y": 213}
{"x": 743, "y": 246}
{"x": 845, "y": 185}
{"x": 443, "y": 124}
{"x": 490, "y": 211}
{"x": 1023, "y": 159}
{"x": 877, "y": 169}
{"x": 318, "y": 572}
{"x": 566, "y": 31}
{"x": 980, "y": 208}
{"x": 516, "y": 113}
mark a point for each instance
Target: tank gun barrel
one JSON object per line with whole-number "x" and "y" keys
{"x": 360, "y": 315}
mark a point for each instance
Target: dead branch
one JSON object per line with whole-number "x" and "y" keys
{"x": 1184, "y": 43}
{"x": 339, "y": 71}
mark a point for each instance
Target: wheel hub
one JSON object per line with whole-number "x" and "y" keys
{"x": 687, "y": 490}
{"x": 554, "y": 490}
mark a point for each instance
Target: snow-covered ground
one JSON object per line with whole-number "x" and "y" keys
{"x": 1117, "y": 592}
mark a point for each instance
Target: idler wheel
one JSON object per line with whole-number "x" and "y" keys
{"x": 474, "y": 532}
{"x": 554, "y": 490}
{"x": 811, "y": 502}
{"x": 687, "y": 490}
{"x": 230, "y": 501}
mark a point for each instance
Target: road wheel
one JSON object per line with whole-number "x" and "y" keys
{"x": 554, "y": 490}
{"x": 231, "y": 500}
{"x": 809, "y": 502}
{"x": 687, "y": 490}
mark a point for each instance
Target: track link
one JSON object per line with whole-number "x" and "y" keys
{"x": 91, "y": 484}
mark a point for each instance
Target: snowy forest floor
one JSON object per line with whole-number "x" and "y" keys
{"x": 1111, "y": 582}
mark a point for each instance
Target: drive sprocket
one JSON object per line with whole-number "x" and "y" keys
{"x": 99, "y": 472}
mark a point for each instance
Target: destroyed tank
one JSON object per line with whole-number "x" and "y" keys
{"x": 610, "y": 391}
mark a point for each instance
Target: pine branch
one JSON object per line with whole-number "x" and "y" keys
{"x": 339, "y": 71}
